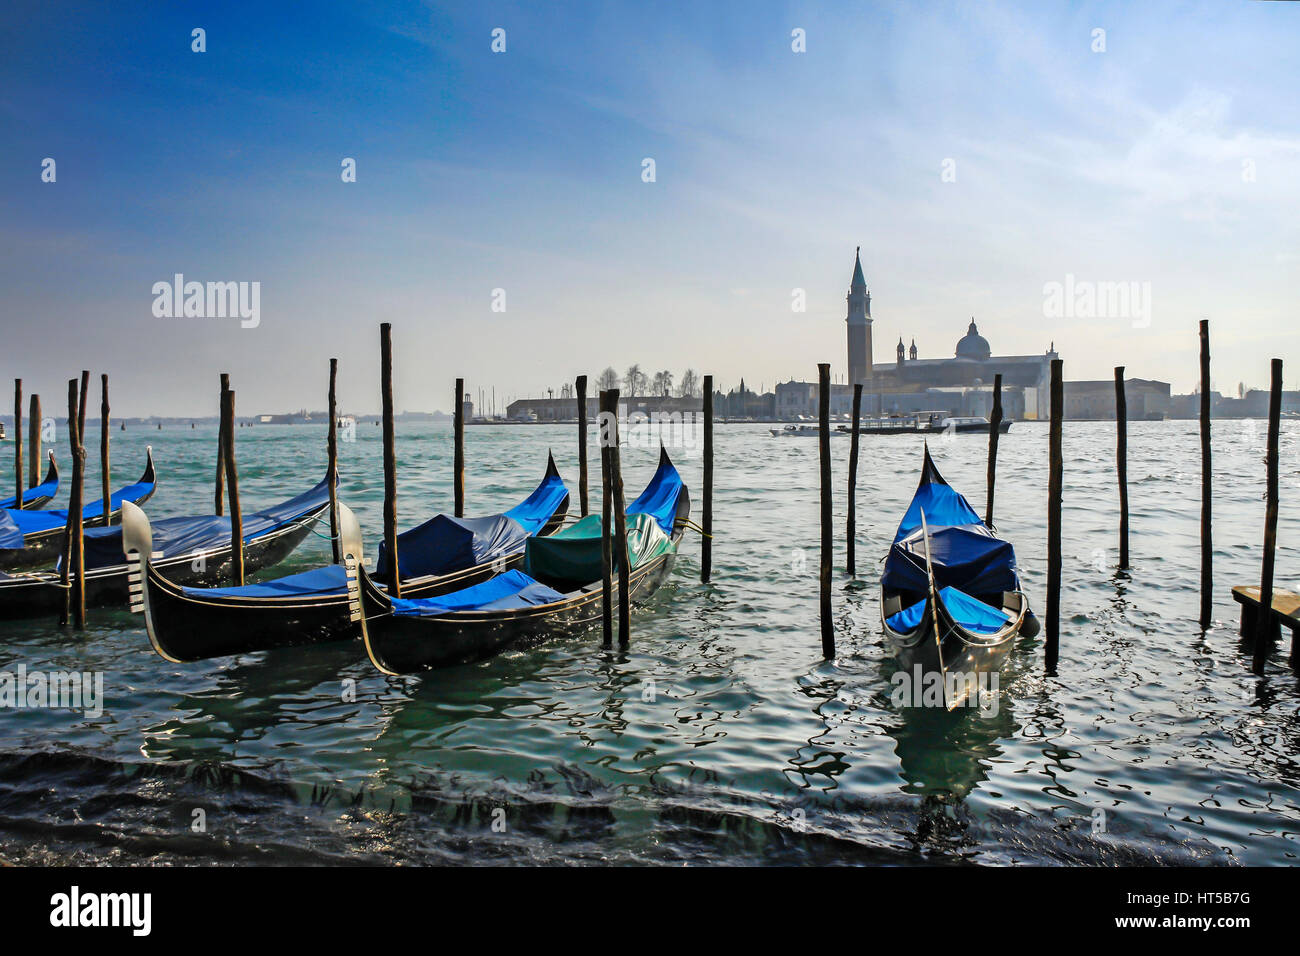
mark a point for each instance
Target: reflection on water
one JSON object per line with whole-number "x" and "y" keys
{"x": 719, "y": 734}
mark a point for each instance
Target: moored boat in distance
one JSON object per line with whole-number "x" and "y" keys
{"x": 950, "y": 596}
{"x": 558, "y": 590}
{"x": 801, "y": 431}
{"x": 318, "y": 606}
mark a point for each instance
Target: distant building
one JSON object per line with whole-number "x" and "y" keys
{"x": 1146, "y": 400}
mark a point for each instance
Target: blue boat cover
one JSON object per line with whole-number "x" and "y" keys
{"x": 11, "y": 536}
{"x": 444, "y": 544}
{"x": 508, "y": 591}
{"x": 172, "y": 536}
{"x": 534, "y": 511}
{"x": 943, "y": 504}
{"x": 318, "y": 582}
{"x": 46, "y": 489}
{"x": 963, "y": 551}
{"x": 659, "y": 500}
{"x": 975, "y": 616}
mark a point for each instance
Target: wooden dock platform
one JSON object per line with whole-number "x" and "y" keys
{"x": 1286, "y": 612}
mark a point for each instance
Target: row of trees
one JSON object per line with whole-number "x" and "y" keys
{"x": 636, "y": 382}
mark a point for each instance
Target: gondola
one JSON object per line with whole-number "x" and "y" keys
{"x": 192, "y": 550}
{"x": 37, "y": 496}
{"x": 29, "y": 539}
{"x": 313, "y": 607}
{"x": 558, "y": 589}
{"x": 950, "y": 595}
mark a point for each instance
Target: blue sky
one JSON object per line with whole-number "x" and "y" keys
{"x": 522, "y": 171}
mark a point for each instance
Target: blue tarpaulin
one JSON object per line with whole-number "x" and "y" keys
{"x": 508, "y": 591}
{"x": 444, "y": 544}
{"x": 318, "y": 582}
{"x": 973, "y": 615}
{"x": 659, "y": 500}
{"x": 534, "y": 511}
{"x": 202, "y": 532}
{"x": 47, "y": 489}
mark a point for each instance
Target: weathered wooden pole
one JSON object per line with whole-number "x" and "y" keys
{"x": 1121, "y": 462}
{"x": 1207, "y": 536}
{"x": 34, "y": 442}
{"x": 619, "y": 506}
{"x": 606, "y": 516}
{"x": 824, "y": 448}
{"x": 221, "y": 466}
{"x": 332, "y": 466}
{"x": 458, "y": 427}
{"x": 74, "y": 607}
{"x": 581, "y": 384}
{"x": 1266, "y": 623}
{"x": 103, "y": 448}
{"x": 995, "y": 430}
{"x": 81, "y": 407}
{"x": 232, "y": 490}
{"x": 1052, "y": 626}
{"x": 851, "y": 533}
{"x": 18, "y": 441}
{"x": 706, "y": 539}
{"x": 390, "y": 457}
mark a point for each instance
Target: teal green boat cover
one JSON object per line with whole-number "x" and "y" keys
{"x": 573, "y": 555}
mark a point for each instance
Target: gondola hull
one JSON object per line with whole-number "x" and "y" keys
{"x": 190, "y": 625}
{"x": 398, "y": 644}
{"x": 43, "y": 548}
{"x": 405, "y": 645}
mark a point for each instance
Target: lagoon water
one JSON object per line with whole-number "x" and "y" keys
{"x": 719, "y": 735}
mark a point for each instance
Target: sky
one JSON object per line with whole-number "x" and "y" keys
{"x": 976, "y": 152}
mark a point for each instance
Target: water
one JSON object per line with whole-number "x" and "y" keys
{"x": 720, "y": 735}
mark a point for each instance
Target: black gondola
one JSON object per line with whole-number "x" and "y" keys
{"x": 195, "y": 550}
{"x": 317, "y": 606}
{"x": 950, "y": 597}
{"x": 558, "y": 590}
{"x": 37, "y": 496}
{"x": 29, "y": 539}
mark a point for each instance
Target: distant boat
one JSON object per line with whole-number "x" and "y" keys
{"x": 799, "y": 431}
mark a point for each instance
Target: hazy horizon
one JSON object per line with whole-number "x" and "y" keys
{"x": 976, "y": 153}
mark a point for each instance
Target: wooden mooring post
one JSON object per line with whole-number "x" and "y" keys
{"x": 81, "y": 407}
{"x": 995, "y": 431}
{"x": 221, "y": 466}
{"x": 606, "y": 515}
{"x": 332, "y": 465}
{"x": 232, "y": 489}
{"x": 1207, "y": 536}
{"x": 619, "y": 507}
{"x": 390, "y": 457}
{"x": 458, "y": 455}
{"x": 706, "y": 539}
{"x": 34, "y": 442}
{"x": 104, "y": 481}
{"x": 1052, "y": 626}
{"x": 1266, "y": 627}
{"x": 581, "y": 387}
{"x": 71, "y": 576}
{"x": 1121, "y": 462}
{"x": 18, "y": 442}
{"x": 851, "y": 531}
{"x": 828, "y": 545}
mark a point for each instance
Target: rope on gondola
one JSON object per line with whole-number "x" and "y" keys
{"x": 690, "y": 525}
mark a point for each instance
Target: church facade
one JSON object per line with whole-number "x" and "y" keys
{"x": 960, "y": 385}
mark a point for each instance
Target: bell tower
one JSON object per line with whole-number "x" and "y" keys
{"x": 859, "y": 323}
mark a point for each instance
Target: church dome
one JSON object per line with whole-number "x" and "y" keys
{"x": 973, "y": 345}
